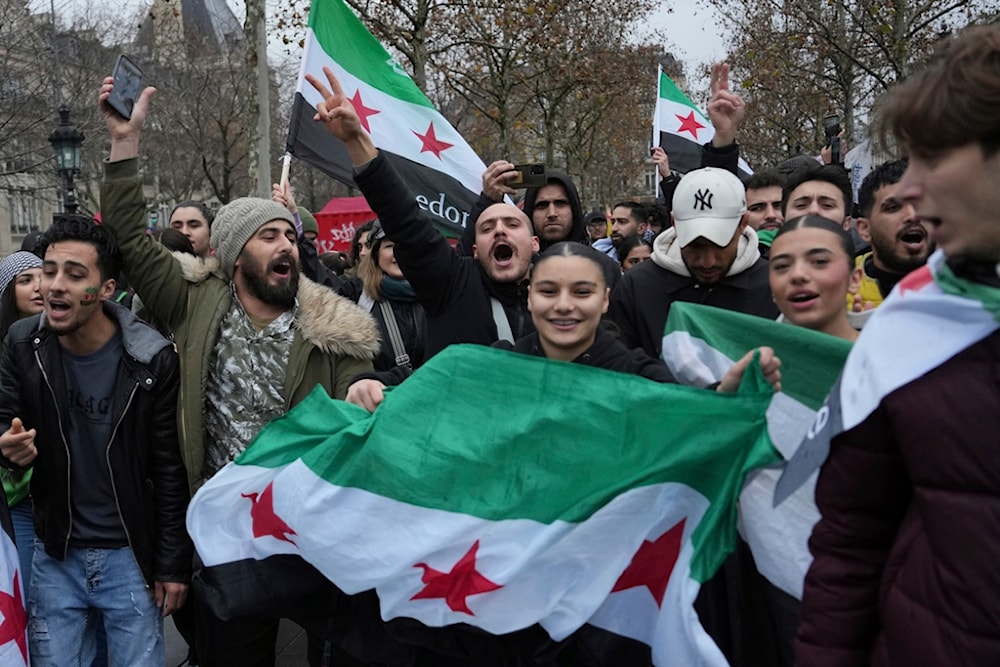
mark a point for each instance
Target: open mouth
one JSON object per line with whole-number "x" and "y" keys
{"x": 503, "y": 253}
{"x": 802, "y": 300}
{"x": 58, "y": 307}
{"x": 913, "y": 236}
{"x": 281, "y": 267}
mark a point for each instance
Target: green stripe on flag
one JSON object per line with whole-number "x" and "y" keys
{"x": 668, "y": 90}
{"x": 499, "y": 435}
{"x": 810, "y": 360}
{"x": 345, "y": 39}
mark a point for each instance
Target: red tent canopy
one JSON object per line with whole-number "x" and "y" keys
{"x": 338, "y": 221}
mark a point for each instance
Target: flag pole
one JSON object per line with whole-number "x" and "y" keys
{"x": 286, "y": 163}
{"x": 656, "y": 127}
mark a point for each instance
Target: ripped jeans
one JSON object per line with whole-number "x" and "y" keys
{"x": 60, "y": 598}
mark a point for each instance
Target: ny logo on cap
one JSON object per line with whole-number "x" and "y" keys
{"x": 703, "y": 199}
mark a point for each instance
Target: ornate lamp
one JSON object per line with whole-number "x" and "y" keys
{"x": 66, "y": 140}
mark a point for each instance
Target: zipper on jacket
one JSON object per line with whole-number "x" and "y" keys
{"x": 69, "y": 461}
{"x": 114, "y": 488}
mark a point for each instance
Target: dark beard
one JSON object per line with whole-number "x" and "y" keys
{"x": 282, "y": 295}
{"x": 895, "y": 263}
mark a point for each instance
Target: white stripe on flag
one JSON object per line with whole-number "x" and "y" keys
{"x": 559, "y": 573}
{"x": 393, "y": 128}
{"x": 778, "y": 536}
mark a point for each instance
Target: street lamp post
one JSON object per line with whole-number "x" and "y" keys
{"x": 66, "y": 140}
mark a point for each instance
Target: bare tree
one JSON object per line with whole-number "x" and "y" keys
{"x": 802, "y": 59}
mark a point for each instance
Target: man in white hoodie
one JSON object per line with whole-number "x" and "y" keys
{"x": 709, "y": 256}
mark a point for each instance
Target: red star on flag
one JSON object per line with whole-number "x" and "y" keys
{"x": 689, "y": 124}
{"x": 265, "y": 521}
{"x": 455, "y": 586}
{"x": 432, "y": 143}
{"x": 15, "y": 620}
{"x": 363, "y": 111}
{"x": 653, "y": 563}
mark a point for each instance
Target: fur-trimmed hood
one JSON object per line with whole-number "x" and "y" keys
{"x": 332, "y": 323}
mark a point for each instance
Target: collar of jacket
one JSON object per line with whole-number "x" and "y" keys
{"x": 332, "y": 323}
{"x": 141, "y": 341}
{"x": 509, "y": 293}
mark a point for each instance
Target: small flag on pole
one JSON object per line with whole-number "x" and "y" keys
{"x": 680, "y": 127}
{"x": 440, "y": 168}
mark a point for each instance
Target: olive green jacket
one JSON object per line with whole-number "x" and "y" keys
{"x": 334, "y": 339}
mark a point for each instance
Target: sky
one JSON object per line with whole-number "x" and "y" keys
{"x": 693, "y": 27}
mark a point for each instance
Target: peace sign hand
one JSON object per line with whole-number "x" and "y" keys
{"x": 341, "y": 119}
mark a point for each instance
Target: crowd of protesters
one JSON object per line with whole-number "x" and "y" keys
{"x": 110, "y": 425}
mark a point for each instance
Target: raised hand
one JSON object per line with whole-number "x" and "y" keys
{"x": 495, "y": 180}
{"x": 662, "y": 161}
{"x": 726, "y": 109}
{"x": 124, "y": 132}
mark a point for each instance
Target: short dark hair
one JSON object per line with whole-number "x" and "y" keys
{"x": 796, "y": 165}
{"x": 205, "y": 211}
{"x": 639, "y": 211}
{"x": 811, "y": 220}
{"x": 828, "y": 173}
{"x": 659, "y": 216}
{"x": 767, "y": 178}
{"x": 886, "y": 173}
{"x": 630, "y": 243}
{"x": 336, "y": 262}
{"x": 72, "y": 227}
{"x": 173, "y": 240}
{"x": 953, "y": 101}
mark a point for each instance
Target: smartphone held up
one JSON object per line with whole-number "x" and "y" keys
{"x": 831, "y": 127}
{"x": 529, "y": 176}
{"x": 127, "y": 86}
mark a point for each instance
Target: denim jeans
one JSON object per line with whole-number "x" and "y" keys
{"x": 24, "y": 537}
{"x": 61, "y": 598}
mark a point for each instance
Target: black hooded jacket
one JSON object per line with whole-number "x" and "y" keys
{"x": 607, "y": 352}
{"x": 454, "y": 291}
{"x": 577, "y": 232}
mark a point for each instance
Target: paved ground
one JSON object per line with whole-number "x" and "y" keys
{"x": 291, "y": 645}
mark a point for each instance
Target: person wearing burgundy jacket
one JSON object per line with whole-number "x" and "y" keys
{"x": 906, "y": 566}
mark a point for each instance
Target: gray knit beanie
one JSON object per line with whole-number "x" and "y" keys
{"x": 237, "y": 221}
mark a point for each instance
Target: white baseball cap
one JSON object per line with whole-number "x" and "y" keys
{"x": 708, "y": 202}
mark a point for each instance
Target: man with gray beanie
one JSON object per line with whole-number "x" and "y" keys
{"x": 254, "y": 338}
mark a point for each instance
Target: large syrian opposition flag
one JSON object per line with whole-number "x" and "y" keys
{"x": 441, "y": 170}
{"x": 681, "y": 128}
{"x": 13, "y": 617}
{"x": 505, "y": 492}
{"x": 699, "y": 344}
{"x": 929, "y": 317}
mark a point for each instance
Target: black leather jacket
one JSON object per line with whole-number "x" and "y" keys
{"x": 148, "y": 476}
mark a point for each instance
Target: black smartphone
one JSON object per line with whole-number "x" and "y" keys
{"x": 831, "y": 125}
{"x": 128, "y": 84}
{"x": 529, "y": 176}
